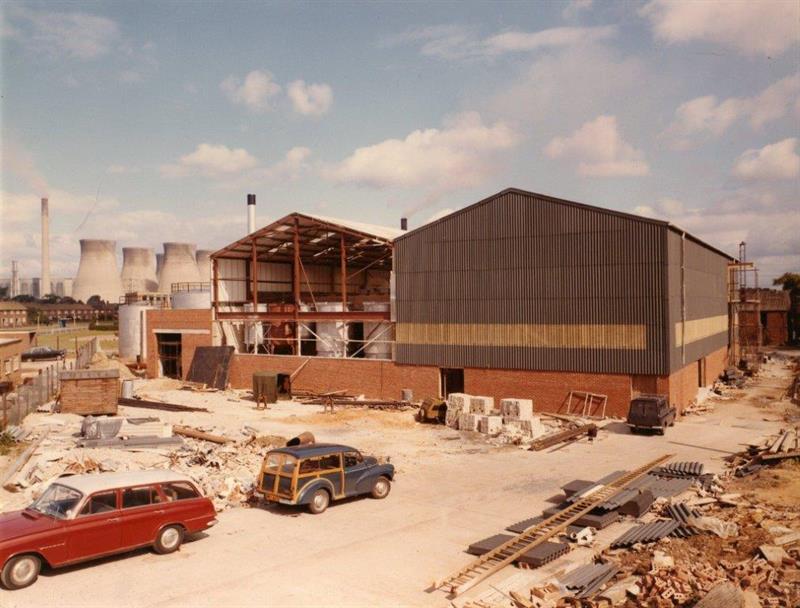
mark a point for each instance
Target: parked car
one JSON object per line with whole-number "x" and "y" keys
{"x": 315, "y": 474}
{"x": 83, "y": 517}
{"x": 651, "y": 412}
{"x": 43, "y": 353}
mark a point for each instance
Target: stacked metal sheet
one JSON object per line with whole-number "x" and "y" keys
{"x": 680, "y": 469}
{"x": 681, "y": 513}
{"x": 646, "y": 533}
{"x": 535, "y": 557}
{"x": 587, "y": 580}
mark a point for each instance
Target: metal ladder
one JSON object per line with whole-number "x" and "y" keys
{"x": 496, "y": 559}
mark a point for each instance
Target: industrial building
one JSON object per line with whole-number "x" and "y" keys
{"x": 518, "y": 295}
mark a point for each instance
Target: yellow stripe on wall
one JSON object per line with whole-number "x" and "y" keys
{"x": 632, "y": 337}
{"x": 699, "y": 329}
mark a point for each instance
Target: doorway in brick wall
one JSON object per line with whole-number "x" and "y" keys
{"x": 169, "y": 355}
{"x": 451, "y": 381}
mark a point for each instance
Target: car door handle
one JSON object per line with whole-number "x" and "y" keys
{"x": 113, "y": 520}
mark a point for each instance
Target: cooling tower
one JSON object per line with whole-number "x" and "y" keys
{"x": 97, "y": 272}
{"x": 159, "y": 263}
{"x": 138, "y": 270}
{"x": 179, "y": 266}
{"x": 203, "y": 258}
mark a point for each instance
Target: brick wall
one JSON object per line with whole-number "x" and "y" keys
{"x": 684, "y": 384}
{"x": 182, "y": 319}
{"x": 374, "y": 378}
{"x": 549, "y": 390}
{"x": 777, "y": 330}
{"x": 10, "y": 355}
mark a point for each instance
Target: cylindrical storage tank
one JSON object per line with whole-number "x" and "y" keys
{"x": 193, "y": 298}
{"x": 131, "y": 323}
{"x": 138, "y": 270}
{"x": 179, "y": 266}
{"x": 332, "y": 336}
{"x": 203, "y": 258}
{"x": 98, "y": 273}
{"x": 381, "y": 331}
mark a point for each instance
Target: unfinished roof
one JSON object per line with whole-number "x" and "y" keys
{"x": 561, "y": 201}
{"x": 319, "y": 240}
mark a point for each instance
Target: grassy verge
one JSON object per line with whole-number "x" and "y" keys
{"x": 108, "y": 339}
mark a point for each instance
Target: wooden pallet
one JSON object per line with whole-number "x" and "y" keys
{"x": 496, "y": 559}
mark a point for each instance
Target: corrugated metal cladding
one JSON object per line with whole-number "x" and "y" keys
{"x": 705, "y": 276}
{"x": 525, "y": 259}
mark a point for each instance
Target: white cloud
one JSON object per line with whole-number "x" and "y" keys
{"x": 122, "y": 169}
{"x": 75, "y": 34}
{"x": 753, "y": 28}
{"x": 211, "y": 160}
{"x": 456, "y": 156}
{"x": 290, "y": 167}
{"x": 599, "y": 150}
{"x": 704, "y": 116}
{"x": 774, "y": 161}
{"x": 460, "y": 42}
{"x": 574, "y": 7}
{"x": 439, "y": 215}
{"x": 516, "y": 41}
{"x": 310, "y": 99}
{"x": 255, "y": 92}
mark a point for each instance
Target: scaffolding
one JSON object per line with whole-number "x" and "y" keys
{"x": 744, "y": 313}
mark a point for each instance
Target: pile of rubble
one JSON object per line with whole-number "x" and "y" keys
{"x": 771, "y": 450}
{"x": 512, "y": 423}
{"x": 224, "y": 466}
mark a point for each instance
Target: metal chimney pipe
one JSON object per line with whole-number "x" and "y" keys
{"x": 403, "y": 223}
{"x": 251, "y": 213}
{"x": 44, "y": 286}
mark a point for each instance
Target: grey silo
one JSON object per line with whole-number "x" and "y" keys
{"x": 98, "y": 273}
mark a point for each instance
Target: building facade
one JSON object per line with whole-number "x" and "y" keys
{"x": 13, "y": 314}
{"x": 524, "y": 295}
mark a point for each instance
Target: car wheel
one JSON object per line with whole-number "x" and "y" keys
{"x": 21, "y": 571}
{"x": 381, "y": 488}
{"x": 319, "y": 501}
{"x": 169, "y": 539}
{"x": 663, "y": 429}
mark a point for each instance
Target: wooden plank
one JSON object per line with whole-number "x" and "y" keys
{"x": 187, "y": 431}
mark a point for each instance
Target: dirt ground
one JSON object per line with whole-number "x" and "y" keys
{"x": 451, "y": 489}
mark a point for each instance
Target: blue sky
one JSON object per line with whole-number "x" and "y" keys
{"x": 149, "y": 122}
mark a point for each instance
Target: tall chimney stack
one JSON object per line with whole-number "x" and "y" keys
{"x": 14, "y": 278}
{"x": 251, "y": 213}
{"x": 403, "y": 223}
{"x": 44, "y": 285}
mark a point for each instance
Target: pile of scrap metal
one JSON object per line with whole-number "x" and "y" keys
{"x": 123, "y": 432}
{"x": 13, "y": 434}
{"x": 785, "y": 445}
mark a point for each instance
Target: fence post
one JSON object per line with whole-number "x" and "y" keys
{"x": 5, "y": 412}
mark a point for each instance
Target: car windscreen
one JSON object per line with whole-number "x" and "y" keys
{"x": 57, "y": 501}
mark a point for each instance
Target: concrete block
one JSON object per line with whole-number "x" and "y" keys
{"x": 468, "y": 422}
{"x": 458, "y": 402}
{"x": 481, "y": 405}
{"x": 516, "y": 409}
{"x": 490, "y": 425}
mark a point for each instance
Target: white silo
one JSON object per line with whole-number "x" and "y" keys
{"x": 132, "y": 334}
{"x": 179, "y": 266}
{"x": 138, "y": 270}
{"x": 98, "y": 273}
{"x": 203, "y": 258}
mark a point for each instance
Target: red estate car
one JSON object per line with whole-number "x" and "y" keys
{"x": 83, "y": 517}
